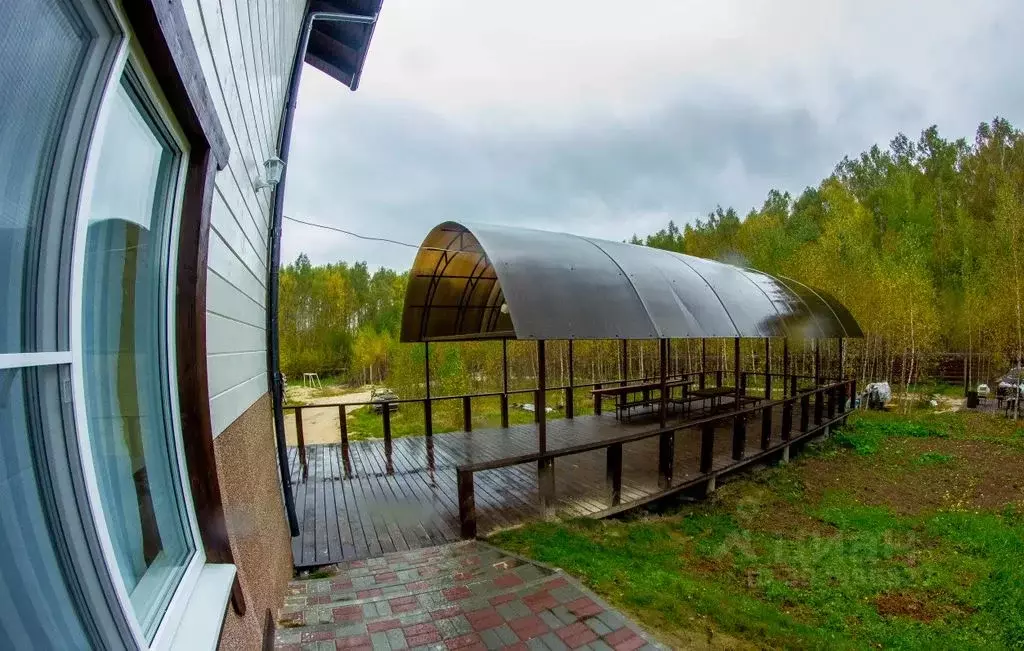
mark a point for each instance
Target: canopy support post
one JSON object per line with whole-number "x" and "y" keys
{"x": 545, "y": 467}
{"x": 703, "y": 360}
{"x": 504, "y": 383}
{"x": 624, "y": 362}
{"x": 736, "y": 370}
{"x": 570, "y": 393}
{"x": 541, "y": 402}
{"x": 667, "y": 440}
{"x": 623, "y": 373}
{"x": 842, "y": 359}
{"x": 817, "y": 362}
{"x": 785, "y": 368}
{"x": 768, "y": 368}
{"x": 663, "y": 365}
{"x": 428, "y": 419}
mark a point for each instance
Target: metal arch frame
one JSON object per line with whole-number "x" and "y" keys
{"x": 435, "y": 277}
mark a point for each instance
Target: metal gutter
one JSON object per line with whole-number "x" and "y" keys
{"x": 273, "y": 284}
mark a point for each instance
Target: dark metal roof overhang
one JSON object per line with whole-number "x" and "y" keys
{"x": 339, "y": 48}
{"x": 484, "y": 282}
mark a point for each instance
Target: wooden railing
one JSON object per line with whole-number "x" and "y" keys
{"x": 702, "y": 379}
{"x": 428, "y": 420}
{"x": 835, "y": 394}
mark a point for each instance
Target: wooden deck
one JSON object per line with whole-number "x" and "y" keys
{"x": 375, "y": 505}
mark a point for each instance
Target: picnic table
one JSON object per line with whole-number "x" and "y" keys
{"x": 715, "y": 395}
{"x": 622, "y": 394}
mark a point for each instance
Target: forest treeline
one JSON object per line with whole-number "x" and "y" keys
{"x": 922, "y": 240}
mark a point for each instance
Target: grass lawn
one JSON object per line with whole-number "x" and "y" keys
{"x": 899, "y": 532}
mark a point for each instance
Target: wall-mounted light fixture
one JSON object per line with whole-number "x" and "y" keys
{"x": 274, "y": 168}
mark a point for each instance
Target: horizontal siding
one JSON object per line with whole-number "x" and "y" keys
{"x": 245, "y": 49}
{"x": 228, "y": 370}
{"x": 244, "y": 308}
{"x": 225, "y": 335}
{"x": 226, "y": 407}
{"x": 228, "y": 265}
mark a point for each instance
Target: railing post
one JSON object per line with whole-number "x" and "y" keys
{"x": 853, "y": 394}
{"x": 792, "y": 383}
{"x": 386, "y": 415}
{"x": 805, "y": 412}
{"x": 467, "y": 505}
{"x": 568, "y": 403}
{"x": 833, "y": 396}
{"x": 343, "y": 422}
{"x": 428, "y": 416}
{"x": 766, "y": 428}
{"x": 546, "y": 486}
{"x": 718, "y": 378}
{"x": 787, "y": 419}
{"x": 504, "y": 410}
{"x": 707, "y": 447}
{"x": 613, "y": 473}
{"x": 819, "y": 406}
{"x": 739, "y": 437}
{"x": 666, "y": 458}
{"x": 743, "y": 383}
{"x": 467, "y": 413}
{"x": 302, "y": 443}
{"x": 536, "y": 405}
{"x": 841, "y": 390}
{"x": 597, "y": 400}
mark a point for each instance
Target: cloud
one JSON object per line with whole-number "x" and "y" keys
{"x": 598, "y": 121}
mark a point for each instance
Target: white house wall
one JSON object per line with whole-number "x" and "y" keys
{"x": 245, "y": 49}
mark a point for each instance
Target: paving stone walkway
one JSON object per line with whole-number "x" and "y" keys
{"x": 463, "y": 596}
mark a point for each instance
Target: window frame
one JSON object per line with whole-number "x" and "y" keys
{"x": 130, "y": 60}
{"x": 152, "y": 38}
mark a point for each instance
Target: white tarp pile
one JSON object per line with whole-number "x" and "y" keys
{"x": 876, "y": 395}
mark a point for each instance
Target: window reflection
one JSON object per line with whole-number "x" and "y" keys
{"x": 125, "y": 362}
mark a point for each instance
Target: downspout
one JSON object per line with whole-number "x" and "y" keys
{"x": 273, "y": 286}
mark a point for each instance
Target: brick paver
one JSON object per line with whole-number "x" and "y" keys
{"x": 467, "y": 596}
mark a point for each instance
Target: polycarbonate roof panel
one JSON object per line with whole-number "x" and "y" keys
{"x": 486, "y": 281}
{"x": 560, "y": 286}
{"x": 677, "y": 300}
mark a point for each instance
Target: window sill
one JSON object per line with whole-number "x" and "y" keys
{"x": 207, "y": 605}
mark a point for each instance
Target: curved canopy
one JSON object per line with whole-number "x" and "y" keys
{"x": 484, "y": 281}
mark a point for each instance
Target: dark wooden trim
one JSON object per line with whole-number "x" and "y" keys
{"x": 162, "y": 30}
{"x": 163, "y": 34}
{"x": 193, "y": 380}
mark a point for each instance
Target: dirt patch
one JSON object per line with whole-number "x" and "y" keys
{"x": 323, "y": 424}
{"x": 789, "y": 522}
{"x": 977, "y": 475}
{"x": 919, "y": 607}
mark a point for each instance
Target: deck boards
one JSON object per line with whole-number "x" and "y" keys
{"x": 372, "y": 507}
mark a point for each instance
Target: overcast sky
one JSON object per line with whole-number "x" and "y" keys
{"x": 607, "y": 118}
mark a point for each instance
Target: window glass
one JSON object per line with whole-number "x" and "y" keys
{"x": 125, "y": 357}
{"x": 42, "y": 49}
{"x": 35, "y": 603}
